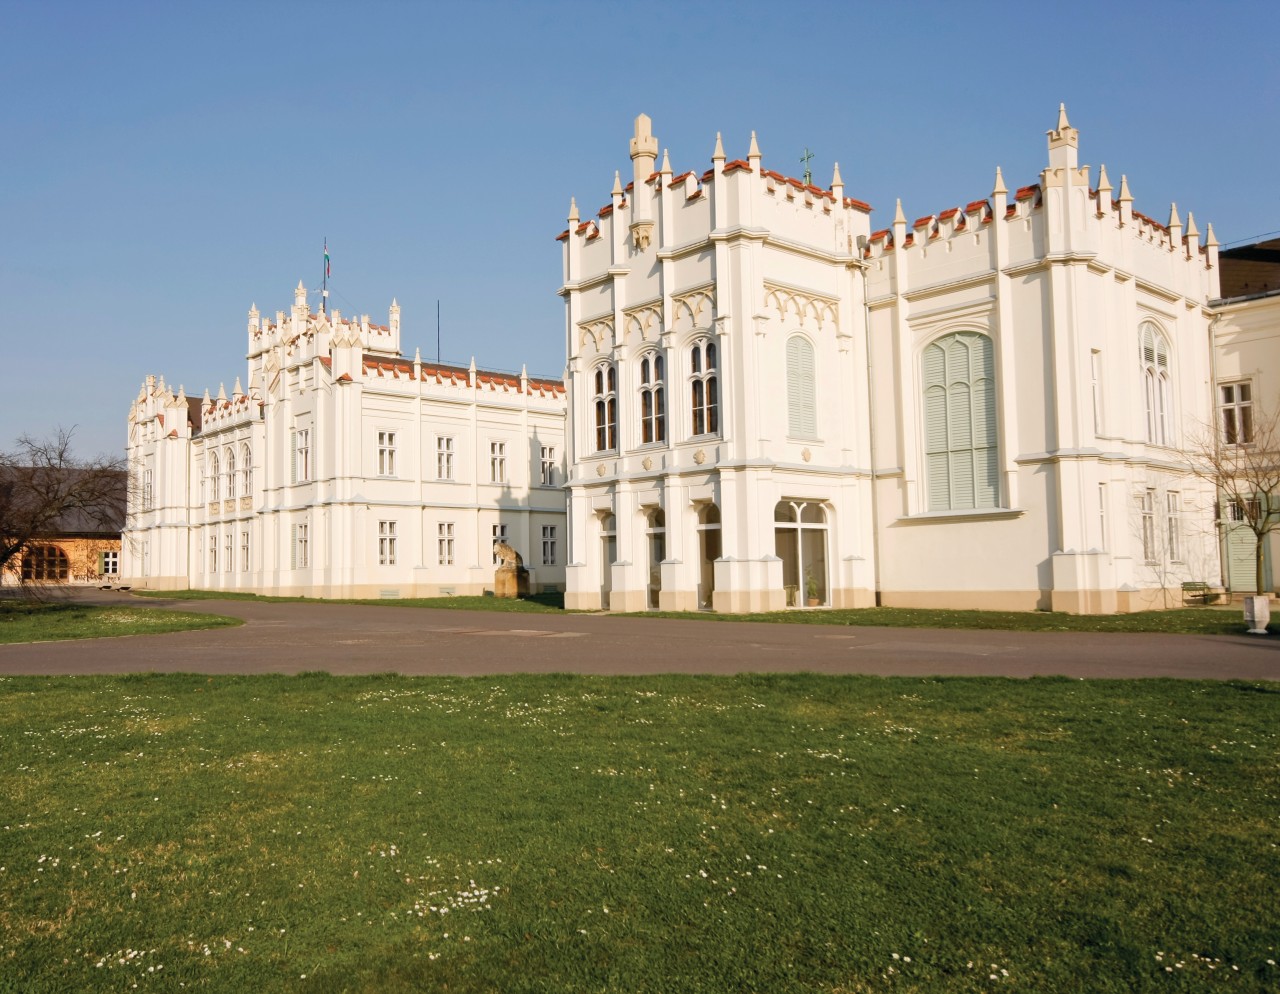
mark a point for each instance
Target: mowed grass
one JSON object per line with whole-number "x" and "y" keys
{"x": 36, "y": 621}
{"x": 549, "y": 603}
{"x": 659, "y": 834}
{"x": 1193, "y": 621}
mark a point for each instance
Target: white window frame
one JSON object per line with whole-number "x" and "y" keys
{"x": 1235, "y": 412}
{"x": 444, "y": 457}
{"x": 604, "y": 407}
{"x": 1173, "y": 524}
{"x": 444, "y": 543}
{"x": 386, "y": 543}
{"x": 244, "y": 551}
{"x": 301, "y": 449}
{"x": 386, "y": 453}
{"x": 704, "y": 388}
{"x": 1156, "y": 365}
{"x": 497, "y": 462}
{"x": 548, "y": 476}
{"x": 1147, "y": 511}
{"x": 499, "y": 535}
{"x": 301, "y": 546}
{"x": 653, "y": 398}
{"x": 548, "y": 545}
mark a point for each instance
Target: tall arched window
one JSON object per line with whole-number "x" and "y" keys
{"x": 605, "y": 405}
{"x": 960, "y": 423}
{"x": 215, "y": 480}
{"x": 802, "y": 417}
{"x": 231, "y": 473}
{"x": 653, "y": 399}
{"x": 1155, "y": 383}
{"x": 705, "y": 392}
{"x": 246, "y": 471}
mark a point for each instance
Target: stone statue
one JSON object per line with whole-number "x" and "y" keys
{"x": 510, "y": 579}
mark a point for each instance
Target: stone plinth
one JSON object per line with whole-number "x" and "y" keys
{"x": 511, "y": 582}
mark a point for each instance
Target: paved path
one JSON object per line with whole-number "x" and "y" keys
{"x": 344, "y": 638}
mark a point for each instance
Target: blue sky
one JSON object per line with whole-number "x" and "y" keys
{"x": 166, "y": 165}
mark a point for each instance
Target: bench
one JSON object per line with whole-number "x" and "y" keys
{"x": 1197, "y": 592}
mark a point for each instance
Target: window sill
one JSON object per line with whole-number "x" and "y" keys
{"x": 968, "y": 514}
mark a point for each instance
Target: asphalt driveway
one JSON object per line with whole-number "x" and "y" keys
{"x": 349, "y": 639}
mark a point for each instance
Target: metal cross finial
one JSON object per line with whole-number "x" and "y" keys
{"x": 806, "y": 159}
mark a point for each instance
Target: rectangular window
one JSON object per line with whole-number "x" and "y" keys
{"x": 213, "y": 553}
{"x": 548, "y": 545}
{"x": 548, "y": 466}
{"x": 1173, "y": 524}
{"x": 1236, "y": 413}
{"x": 497, "y": 462}
{"x": 499, "y": 535}
{"x": 444, "y": 457}
{"x": 244, "y": 552}
{"x": 444, "y": 543}
{"x": 1095, "y": 374}
{"x": 1147, "y": 505}
{"x": 227, "y": 562}
{"x": 301, "y": 553}
{"x": 109, "y": 563}
{"x": 386, "y": 543}
{"x": 1103, "y": 538}
{"x": 386, "y": 453}
{"x": 148, "y": 490}
{"x": 301, "y": 455}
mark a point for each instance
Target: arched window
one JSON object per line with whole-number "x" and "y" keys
{"x": 802, "y": 417}
{"x": 800, "y": 541}
{"x": 231, "y": 473}
{"x": 1155, "y": 383}
{"x": 215, "y": 480}
{"x": 653, "y": 399}
{"x": 705, "y": 388}
{"x": 246, "y": 471}
{"x": 960, "y": 423}
{"x": 605, "y": 405}
{"x": 45, "y": 562}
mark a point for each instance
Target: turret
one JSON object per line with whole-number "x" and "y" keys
{"x": 644, "y": 152}
{"x": 1064, "y": 142}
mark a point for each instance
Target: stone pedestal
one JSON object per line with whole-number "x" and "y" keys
{"x": 511, "y": 582}
{"x": 1257, "y": 612}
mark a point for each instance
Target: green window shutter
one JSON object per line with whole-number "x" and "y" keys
{"x": 102, "y": 563}
{"x": 802, "y": 418}
{"x": 960, "y": 423}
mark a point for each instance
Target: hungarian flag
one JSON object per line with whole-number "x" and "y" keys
{"x": 326, "y": 258}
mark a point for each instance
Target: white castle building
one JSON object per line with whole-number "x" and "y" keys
{"x": 345, "y": 470}
{"x": 768, "y": 405}
{"x": 772, "y": 405}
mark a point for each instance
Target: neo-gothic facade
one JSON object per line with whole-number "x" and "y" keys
{"x": 773, "y": 405}
{"x": 345, "y": 470}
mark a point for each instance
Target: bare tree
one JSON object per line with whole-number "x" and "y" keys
{"x": 45, "y": 489}
{"x": 1240, "y": 456}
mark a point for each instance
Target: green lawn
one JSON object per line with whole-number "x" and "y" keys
{"x": 1195, "y": 620}
{"x": 36, "y": 621}
{"x": 659, "y": 834}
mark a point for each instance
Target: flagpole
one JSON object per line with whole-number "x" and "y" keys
{"x": 324, "y": 292}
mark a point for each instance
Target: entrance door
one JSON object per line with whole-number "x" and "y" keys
{"x": 800, "y": 541}
{"x": 657, "y": 543}
{"x": 608, "y": 556}
{"x": 708, "y": 552}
